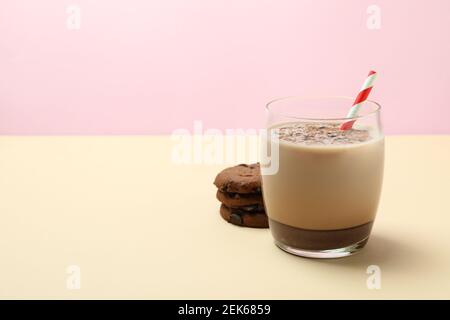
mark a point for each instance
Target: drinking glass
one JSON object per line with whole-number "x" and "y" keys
{"x": 321, "y": 198}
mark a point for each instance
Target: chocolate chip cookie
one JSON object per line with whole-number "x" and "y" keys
{"x": 253, "y": 219}
{"x": 243, "y": 178}
{"x": 234, "y": 200}
{"x": 239, "y": 191}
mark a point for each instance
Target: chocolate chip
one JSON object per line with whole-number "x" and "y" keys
{"x": 235, "y": 219}
{"x": 332, "y": 134}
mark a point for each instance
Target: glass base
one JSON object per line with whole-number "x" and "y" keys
{"x": 324, "y": 254}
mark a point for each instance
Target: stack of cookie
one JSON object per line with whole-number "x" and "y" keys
{"x": 239, "y": 191}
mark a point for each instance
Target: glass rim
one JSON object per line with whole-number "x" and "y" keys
{"x": 375, "y": 111}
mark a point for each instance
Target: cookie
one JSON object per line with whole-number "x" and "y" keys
{"x": 243, "y": 178}
{"x": 253, "y": 219}
{"x": 235, "y": 200}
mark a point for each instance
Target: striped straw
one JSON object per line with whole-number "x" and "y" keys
{"x": 362, "y": 96}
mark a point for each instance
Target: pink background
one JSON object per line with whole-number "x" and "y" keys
{"x": 142, "y": 66}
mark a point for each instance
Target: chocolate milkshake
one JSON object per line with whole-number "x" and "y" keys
{"x": 326, "y": 191}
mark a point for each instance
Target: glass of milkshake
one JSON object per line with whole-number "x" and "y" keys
{"x": 323, "y": 196}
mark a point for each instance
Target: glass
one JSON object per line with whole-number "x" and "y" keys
{"x": 321, "y": 185}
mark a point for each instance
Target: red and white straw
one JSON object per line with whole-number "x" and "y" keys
{"x": 360, "y": 98}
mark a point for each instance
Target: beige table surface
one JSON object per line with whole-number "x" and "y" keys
{"x": 139, "y": 226}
